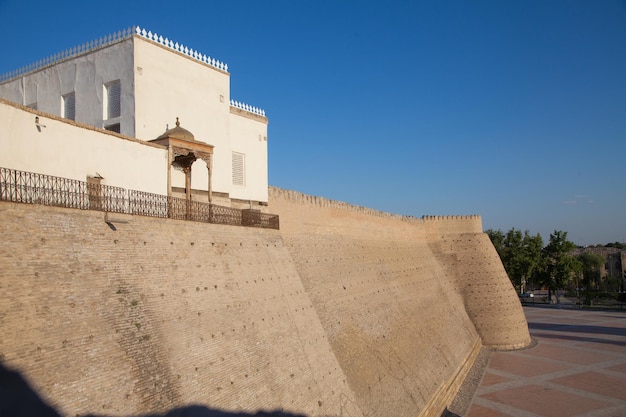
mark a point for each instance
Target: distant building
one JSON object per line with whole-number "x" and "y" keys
{"x": 614, "y": 261}
{"x": 140, "y": 85}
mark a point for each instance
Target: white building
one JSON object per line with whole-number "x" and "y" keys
{"x": 137, "y": 84}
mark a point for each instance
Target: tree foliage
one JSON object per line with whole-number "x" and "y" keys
{"x": 520, "y": 254}
{"x": 559, "y": 263}
{"x": 554, "y": 266}
{"x": 591, "y": 265}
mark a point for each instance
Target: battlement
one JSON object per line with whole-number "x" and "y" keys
{"x": 315, "y": 201}
{"x": 453, "y": 224}
{"x": 433, "y": 225}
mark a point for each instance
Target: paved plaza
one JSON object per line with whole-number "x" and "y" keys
{"x": 576, "y": 368}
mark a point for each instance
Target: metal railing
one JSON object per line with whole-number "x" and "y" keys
{"x": 32, "y": 188}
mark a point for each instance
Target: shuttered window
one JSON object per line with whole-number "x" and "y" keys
{"x": 239, "y": 169}
{"x": 69, "y": 106}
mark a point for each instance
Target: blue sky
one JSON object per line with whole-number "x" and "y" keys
{"x": 514, "y": 110}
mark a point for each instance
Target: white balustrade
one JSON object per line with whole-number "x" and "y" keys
{"x": 109, "y": 39}
{"x": 247, "y": 107}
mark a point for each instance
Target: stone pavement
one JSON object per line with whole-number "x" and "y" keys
{"x": 576, "y": 368}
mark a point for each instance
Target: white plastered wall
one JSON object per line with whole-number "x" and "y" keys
{"x": 85, "y": 75}
{"x": 249, "y": 137}
{"x": 65, "y": 150}
{"x": 170, "y": 85}
{"x": 158, "y": 85}
{"x": 201, "y": 101}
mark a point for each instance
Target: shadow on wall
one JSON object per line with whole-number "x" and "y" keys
{"x": 18, "y": 399}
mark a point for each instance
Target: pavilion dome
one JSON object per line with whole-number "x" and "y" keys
{"x": 178, "y": 133}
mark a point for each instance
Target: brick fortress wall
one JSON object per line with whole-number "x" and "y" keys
{"x": 344, "y": 311}
{"x": 406, "y": 302}
{"x": 159, "y": 314}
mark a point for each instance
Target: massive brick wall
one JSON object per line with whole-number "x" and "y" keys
{"x": 345, "y": 311}
{"x": 488, "y": 296}
{"x": 405, "y": 302}
{"x": 158, "y": 314}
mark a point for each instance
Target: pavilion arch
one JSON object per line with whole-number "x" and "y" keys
{"x": 183, "y": 151}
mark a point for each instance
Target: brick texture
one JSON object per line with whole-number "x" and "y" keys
{"x": 406, "y": 302}
{"x": 344, "y": 311}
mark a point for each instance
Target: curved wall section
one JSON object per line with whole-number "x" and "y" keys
{"x": 488, "y": 295}
{"x": 394, "y": 297}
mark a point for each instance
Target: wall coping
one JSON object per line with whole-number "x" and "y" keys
{"x": 301, "y": 198}
{"x": 78, "y": 124}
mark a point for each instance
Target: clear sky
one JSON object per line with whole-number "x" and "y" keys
{"x": 514, "y": 110}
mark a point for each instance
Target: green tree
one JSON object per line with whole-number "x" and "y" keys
{"x": 533, "y": 250}
{"x": 497, "y": 239}
{"x": 558, "y": 264}
{"x": 612, "y": 283}
{"x": 591, "y": 265}
{"x": 520, "y": 254}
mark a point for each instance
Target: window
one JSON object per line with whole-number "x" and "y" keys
{"x": 112, "y": 98}
{"x": 239, "y": 172}
{"x": 112, "y": 106}
{"x": 115, "y": 127}
{"x": 69, "y": 106}
{"x": 32, "y": 106}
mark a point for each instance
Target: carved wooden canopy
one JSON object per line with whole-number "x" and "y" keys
{"x": 185, "y": 148}
{"x": 183, "y": 151}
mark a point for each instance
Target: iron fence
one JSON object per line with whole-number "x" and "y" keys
{"x": 225, "y": 215}
{"x": 142, "y": 203}
{"x": 32, "y": 188}
{"x": 181, "y": 209}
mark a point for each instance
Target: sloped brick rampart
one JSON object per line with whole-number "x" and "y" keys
{"x": 158, "y": 314}
{"x": 405, "y": 301}
{"x": 343, "y": 312}
{"x": 488, "y": 296}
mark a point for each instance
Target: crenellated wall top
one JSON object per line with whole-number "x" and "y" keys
{"x": 310, "y": 200}
{"x": 452, "y": 217}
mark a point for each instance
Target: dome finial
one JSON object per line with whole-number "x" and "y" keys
{"x": 177, "y": 122}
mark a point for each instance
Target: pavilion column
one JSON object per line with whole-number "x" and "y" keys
{"x": 170, "y": 157}
{"x": 209, "y": 167}
{"x": 208, "y": 160}
{"x": 187, "y": 171}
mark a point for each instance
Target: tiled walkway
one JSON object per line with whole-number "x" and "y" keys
{"x": 577, "y": 368}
